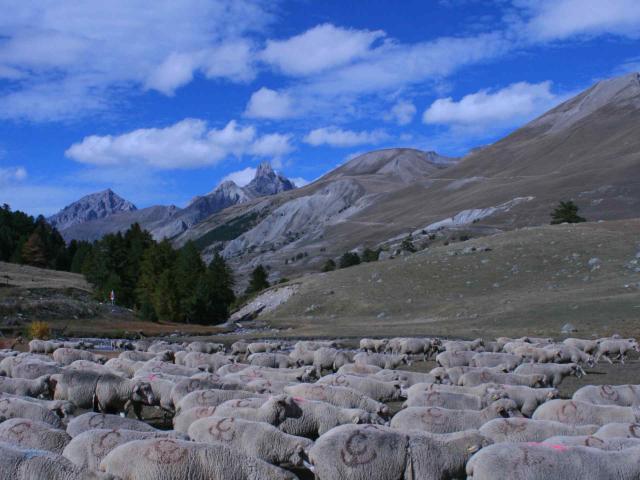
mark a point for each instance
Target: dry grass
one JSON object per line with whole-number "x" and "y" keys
{"x": 530, "y": 281}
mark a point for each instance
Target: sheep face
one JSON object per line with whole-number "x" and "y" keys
{"x": 298, "y": 457}
{"x": 142, "y": 392}
{"x": 506, "y": 408}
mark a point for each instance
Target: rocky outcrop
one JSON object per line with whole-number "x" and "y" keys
{"x": 91, "y": 207}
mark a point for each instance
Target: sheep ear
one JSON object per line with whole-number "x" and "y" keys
{"x": 356, "y": 420}
{"x": 299, "y": 449}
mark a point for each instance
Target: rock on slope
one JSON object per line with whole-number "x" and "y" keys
{"x": 91, "y": 207}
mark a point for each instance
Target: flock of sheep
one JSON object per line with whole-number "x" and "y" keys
{"x": 275, "y": 410}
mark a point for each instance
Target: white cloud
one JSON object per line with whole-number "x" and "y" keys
{"x": 68, "y": 58}
{"x": 232, "y": 61}
{"x": 241, "y": 177}
{"x": 12, "y": 174}
{"x": 300, "y": 182}
{"x": 402, "y": 112}
{"x": 319, "y": 48}
{"x": 267, "y": 103}
{"x": 489, "y": 108}
{"x": 272, "y": 145}
{"x": 187, "y": 144}
{"x": 560, "y": 19}
{"x": 337, "y": 137}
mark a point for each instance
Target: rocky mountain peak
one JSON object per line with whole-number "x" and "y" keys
{"x": 268, "y": 182}
{"x": 91, "y": 207}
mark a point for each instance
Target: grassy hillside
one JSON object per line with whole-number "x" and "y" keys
{"x": 527, "y": 281}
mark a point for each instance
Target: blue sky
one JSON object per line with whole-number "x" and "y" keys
{"x": 162, "y": 99}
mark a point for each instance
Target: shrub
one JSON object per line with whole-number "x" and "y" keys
{"x": 329, "y": 266}
{"x": 566, "y": 212}
{"x": 349, "y": 259}
{"x": 370, "y": 255}
{"x": 39, "y": 330}
{"x": 408, "y": 246}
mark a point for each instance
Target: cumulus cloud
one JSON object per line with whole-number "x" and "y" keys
{"x": 337, "y": 137}
{"x": 319, "y": 48}
{"x": 67, "y": 57}
{"x": 486, "y": 108}
{"x": 402, "y": 112}
{"x": 241, "y": 177}
{"x": 560, "y": 19}
{"x": 270, "y": 104}
{"x": 12, "y": 174}
{"x": 189, "y": 143}
{"x": 300, "y": 182}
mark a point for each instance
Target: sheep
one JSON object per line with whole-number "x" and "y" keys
{"x": 477, "y": 378}
{"x": 544, "y": 461}
{"x": 89, "y": 448}
{"x": 479, "y": 390}
{"x": 581, "y": 413}
{"x": 407, "y": 378}
{"x": 463, "y": 345}
{"x": 154, "y": 459}
{"x": 33, "y": 434}
{"x": 155, "y": 366}
{"x": 239, "y": 348}
{"x": 302, "y": 374}
{"x": 259, "y": 347}
{"x": 87, "y": 365}
{"x": 555, "y": 372}
{"x": 271, "y": 360}
{"x": 587, "y": 346}
{"x": 367, "y": 452}
{"x": 536, "y": 355}
{"x": 16, "y": 407}
{"x": 343, "y": 397}
{"x": 135, "y": 356}
{"x": 326, "y": 358}
{"x": 487, "y": 359}
{"x": 124, "y": 366}
{"x": 231, "y": 368}
{"x": 105, "y": 393}
{"x": 61, "y": 408}
{"x": 188, "y": 385}
{"x": 302, "y": 357}
{"x": 527, "y": 430}
{"x": 66, "y": 356}
{"x": 313, "y": 345}
{"x": 594, "y": 442}
{"x": 257, "y": 439}
{"x": 358, "y": 369}
{"x": 394, "y": 345}
{"x": 619, "y": 429}
{"x": 44, "y": 346}
{"x": 620, "y": 395}
{"x": 418, "y": 346}
{"x": 26, "y": 388}
{"x": 202, "y": 361}
{"x": 527, "y": 399}
{"x": 449, "y": 400}
{"x": 376, "y": 389}
{"x": 373, "y": 345}
{"x": 608, "y": 347}
{"x": 382, "y": 360}
{"x": 92, "y": 420}
{"x": 568, "y": 354}
{"x": 205, "y": 347}
{"x": 443, "y": 420}
{"x": 211, "y": 398}
{"x": 272, "y": 411}
{"x": 32, "y": 369}
{"x": 311, "y": 419}
{"x": 159, "y": 347}
{"x": 20, "y": 463}
{"x": 455, "y": 373}
{"x": 455, "y": 358}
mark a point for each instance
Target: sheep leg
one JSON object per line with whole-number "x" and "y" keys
{"x": 606, "y": 357}
{"x": 96, "y": 403}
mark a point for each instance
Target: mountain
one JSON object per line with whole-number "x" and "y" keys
{"x": 587, "y": 149}
{"x": 170, "y": 221}
{"x": 91, "y": 207}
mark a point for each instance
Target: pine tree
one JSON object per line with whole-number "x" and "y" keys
{"x": 259, "y": 280}
{"x": 189, "y": 270}
{"x": 33, "y": 252}
{"x": 156, "y": 260}
{"x": 566, "y": 212}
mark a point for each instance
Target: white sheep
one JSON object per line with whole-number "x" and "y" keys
{"x": 16, "y": 407}
{"x": 621, "y": 395}
{"x": 256, "y": 439}
{"x": 507, "y": 461}
{"x": 574, "y": 412}
{"x": 33, "y": 434}
{"x": 155, "y": 459}
{"x": 555, "y": 372}
{"x": 343, "y": 397}
{"x": 376, "y": 389}
{"x": 373, "y": 452}
{"x": 443, "y": 420}
{"x": 528, "y": 430}
{"x": 486, "y": 376}
{"x": 92, "y": 420}
{"x": 619, "y": 347}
